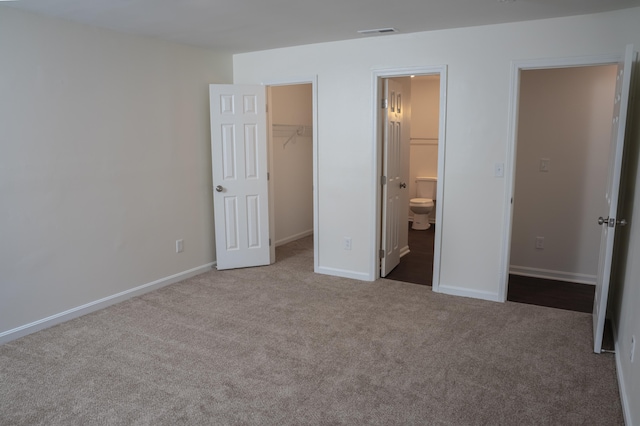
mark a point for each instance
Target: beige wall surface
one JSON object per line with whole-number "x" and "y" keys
{"x": 425, "y": 106}
{"x": 292, "y": 163}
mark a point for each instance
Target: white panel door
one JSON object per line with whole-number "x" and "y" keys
{"x": 609, "y": 223}
{"x": 392, "y": 170}
{"x": 240, "y": 183}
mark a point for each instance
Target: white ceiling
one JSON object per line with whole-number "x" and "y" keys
{"x": 236, "y": 26}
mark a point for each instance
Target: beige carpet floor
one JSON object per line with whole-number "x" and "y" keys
{"x": 280, "y": 345}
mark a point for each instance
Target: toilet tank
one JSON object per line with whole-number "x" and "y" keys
{"x": 426, "y": 187}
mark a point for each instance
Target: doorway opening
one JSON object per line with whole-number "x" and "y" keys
{"x": 612, "y": 194}
{"x": 561, "y": 171}
{"x": 410, "y": 136}
{"x": 290, "y": 119}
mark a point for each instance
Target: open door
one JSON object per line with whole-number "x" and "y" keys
{"x": 240, "y": 181}
{"x": 392, "y": 176}
{"x": 621, "y": 101}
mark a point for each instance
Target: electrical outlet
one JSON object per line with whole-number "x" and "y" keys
{"x": 545, "y": 164}
{"x": 540, "y": 243}
{"x": 179, "y": 246}
{"x": 633, "y": 348}
{"x": 347, "y": 243}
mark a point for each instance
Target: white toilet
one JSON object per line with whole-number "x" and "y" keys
{"x": 423, "y": 204}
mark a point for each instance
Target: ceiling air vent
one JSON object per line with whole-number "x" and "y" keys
{"x": 378, "y": 31}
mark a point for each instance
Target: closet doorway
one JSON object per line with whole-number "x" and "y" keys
{"x": 561, "y": 172}
{"x": 290, "y": 115}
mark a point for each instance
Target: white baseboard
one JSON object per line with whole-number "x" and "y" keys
{"x": 96, "y": 305}
{"x": 404, "y": 251}
{"x": 344, "y": 273}
{"x": 431, "y": 220}
{"x": 624, "y": 400}
{"x": 294, "y": 237}
{"x": 548, "y": 274}
{"x": 465, "y": 292}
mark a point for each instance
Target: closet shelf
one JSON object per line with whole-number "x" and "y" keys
{"x": 291, "y": 131}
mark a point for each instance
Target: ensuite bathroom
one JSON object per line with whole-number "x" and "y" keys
{"x": 416, "y": 262}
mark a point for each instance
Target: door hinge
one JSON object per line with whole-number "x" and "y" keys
{"x": 269, "y": 242}
{"x": 381, "y": 253}
{"x": 268, "y": 176}
{"x": 385, "y": 103}
{"x": 383, "y": 180}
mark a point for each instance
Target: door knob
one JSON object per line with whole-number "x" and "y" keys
{"x": 611, "y": 221}
{"x": 606, "y": 221}
{"x": 219, "y": 188}
{"x": 403, "y": 185}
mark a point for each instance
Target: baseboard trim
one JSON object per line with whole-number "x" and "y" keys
{"x": 548, "y": 274}
{"x": 294, "y": 237}
{"x": 344, "y": 273}
{"x": 624, "y": 401}
{"x": 404, "y": 251}
{"x": 465, "y": 292}
{"x": 431, "y": 220}
{"x": 96, "y": 305}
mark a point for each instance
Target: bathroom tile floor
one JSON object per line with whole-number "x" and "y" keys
{"x": 417, "y": 266}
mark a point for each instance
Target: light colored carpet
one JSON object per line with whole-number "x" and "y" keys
{"x": 281, "y": 345}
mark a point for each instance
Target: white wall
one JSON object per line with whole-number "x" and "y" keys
{"x": 564, "y": 116}
{"x": 292, "y": 164}
{"x": 105, "y": 162}
{"x": 479, "y": 63}
{"x": 479, "y": 71}
{"x": 425, "y": 105}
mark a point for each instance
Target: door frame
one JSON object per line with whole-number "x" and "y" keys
{"x": 378, "y": 94}
{"x": 313, "y": 80}
{"x": 512, "y": 136}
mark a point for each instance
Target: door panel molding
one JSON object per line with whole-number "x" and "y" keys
{"x": 239, "y": 173}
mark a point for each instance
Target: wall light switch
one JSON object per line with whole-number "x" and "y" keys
{"x": 540, "y": 243}
{"x": 545, "y": 164}
{"x": 179, "y": 246}
{"x": 498, "y": 170}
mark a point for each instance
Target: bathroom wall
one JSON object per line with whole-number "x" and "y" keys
{"x": 292, "y": 164}
{"x": 565, "y": 117}
{"x": 425, "y": 105}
